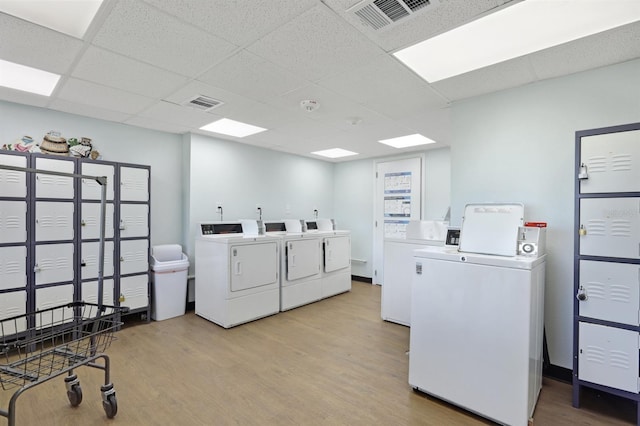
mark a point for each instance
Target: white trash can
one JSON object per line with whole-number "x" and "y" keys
{"x": 169, "y": 267}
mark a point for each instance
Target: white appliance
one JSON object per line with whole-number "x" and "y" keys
{"x": 336, "y": 258}
{"x": 237, "y": 275}
{"x": 300, "y": 263}
{"x": 477, "y": 322}
{"x": 399, "y": 266}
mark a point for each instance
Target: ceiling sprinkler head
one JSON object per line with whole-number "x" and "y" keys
{"x": 309, "y": 105}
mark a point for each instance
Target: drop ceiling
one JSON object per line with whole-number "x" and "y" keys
{"x": 140, "y": 60}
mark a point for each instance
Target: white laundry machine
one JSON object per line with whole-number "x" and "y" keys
{"x": 300, "y": 263}
{"x": 336, "y": 256}
{"x": 237, "y": 275}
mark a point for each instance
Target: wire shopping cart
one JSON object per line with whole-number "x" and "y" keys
{"x": 39, "y": 346}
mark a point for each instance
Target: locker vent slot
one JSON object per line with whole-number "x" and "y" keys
{"x": 10, "y": 176}
{"x": 621, "y": 228}
{"x": 62, "y": 263}
{"x": 134, "y": 184}
{"x": 620, "y": 293}
{"x": 621, "y": 162}
{"x": 595, "y": 290}
{"x": 12, "y": 267}
{"x": 597, "y": 164}
{"x": 597, "y": 227}
{"x": 595, "y": 354}
{"x": 11, "y": 222}
{"x": 619, "y": 359}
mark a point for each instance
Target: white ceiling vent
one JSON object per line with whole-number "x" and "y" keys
{"x": 382, "y": 14}
{"x": 204, "y": 103}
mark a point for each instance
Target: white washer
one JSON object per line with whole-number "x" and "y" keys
{"x": 237, "y": 275}
{"x": 336, "y": 258}
{"x": 300, "y": 264}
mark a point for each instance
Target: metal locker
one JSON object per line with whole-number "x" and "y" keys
{"x": 54, "y": 263}
{"x": 610, "y": 162}
{"x": 302, "y": 258}
{"x": 13, "y": 221}
{"x": 611, "y": 291}
{"x": 91, "y": 190}
{"x": 134, "y": 184}
{"x": 263, "y": 259}
{"x": 134, "y": 220}
{"x": 89, "y": 259}
{"x": 13, "y": 267}
{"x": 50, "y": 297}
{"x": 13, "y": 183}
{"x": 337, "y": 253}
{"x": 54, "y": 221}
{"x": 90, "y": 292}
{"x": 90, "y": 221}
{"x": 52, "y": 186}
{"x": 12, "y": 305}
{"x": 608, "y": 356}
{"x": 135, "y": 291}
{"x": 610, "y": 227}
{"x": 134, "y": 256}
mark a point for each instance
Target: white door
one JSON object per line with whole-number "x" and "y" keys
{"x": 134, "y": 220}
{"x": 13, "y": 183}
{"x": 134, "y": 184}
{"x": 52, "y": 186}
{"x": 302, "y": 258}
{"x": 12, "y": 305}
{"x": 90, "y": 292}
{"x": 54, "y": 263}
{"x": 337, "y": 253}
{"x": 91, "y": 189}
{"x": 13, "y": 262}
{"x": 135, "y": 291}
{"x": 134, "y": 256}
{"x": 397, "y": 200}
{"x": 611, "y": 227}
{"x": 54, "y": 221}
{"x": 89, "y": 259}
{"x": 13, "y": 221}
{"x": 612, "y": 162}
{"x": 253, "y": 265}
{"x": 90, "y": 221}
{"x": 54, "y": 297}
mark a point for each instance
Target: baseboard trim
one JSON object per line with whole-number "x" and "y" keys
{"x": 558, "y": 373}
{"x": 361, "y": 279}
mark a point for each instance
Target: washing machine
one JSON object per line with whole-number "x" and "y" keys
{"x": 336, "y": 256}
{"x": 300, "y": 263}
{"x": 237, "y": 274}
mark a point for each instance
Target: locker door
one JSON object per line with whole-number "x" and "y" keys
{"x": 11, "y": 305}
{"x": 90, "y": 221}
{"x": 612, "y": 290}
{"x": 337, "y": 253}
{"x": 613, "y": 162}
{"x": 54, "y": 221}
{"x": 90, "y": 292}
{"x": 134, "y": 256}
{"x": 54, "y": 263}
{"x": 134, "y": 184}
{"x": 608, "y": 356}
{"x": 91, "y": 190}
{"x": 302, "y": 258}
{"x": 135, "y": 291}
{"x": 13, "y": 221}
{"x": 51, "y": 186}
{"x": 612, "y": 227}
{"x": 134, "y": 220}
{"x": 50, "y": 297}
{"x": 253, "y": 265}
{"x": 13, "y": 267}
{"x": 12, "y": 183}
{"x": 89, "y": 260}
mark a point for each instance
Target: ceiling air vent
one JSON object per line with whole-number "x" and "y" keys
{"x": 379, "y": 14}
{"x": 202, "y": 102}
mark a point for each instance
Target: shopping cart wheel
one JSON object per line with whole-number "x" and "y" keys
{"x": 75, "y": 395}
{"x": 110, "y": 406}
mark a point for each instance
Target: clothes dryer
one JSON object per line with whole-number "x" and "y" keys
{"x": 237, "y": 275}
{"x": 336, "y": 256}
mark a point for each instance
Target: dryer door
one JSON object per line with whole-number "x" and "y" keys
{"x": 303, "y": 258}
{"x": 337, "y": 253}
{"x": 253, "y": 265}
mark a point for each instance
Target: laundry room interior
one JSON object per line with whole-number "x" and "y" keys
{"x": 487, "y": 275}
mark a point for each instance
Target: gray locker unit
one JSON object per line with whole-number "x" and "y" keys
{"x": 607, "y": 262}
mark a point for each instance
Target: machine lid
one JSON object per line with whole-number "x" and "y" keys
{"x": 491, "y": 228}
{"x": 453, "y": 255}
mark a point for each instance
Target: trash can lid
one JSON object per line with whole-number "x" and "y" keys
{"x": 166, "y": 252}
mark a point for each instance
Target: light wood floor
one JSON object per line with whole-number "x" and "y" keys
{"x": 334, "y": 362}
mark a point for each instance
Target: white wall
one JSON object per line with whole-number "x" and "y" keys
{"x": 519, "y": 145}
{"x": 116, "y": 142}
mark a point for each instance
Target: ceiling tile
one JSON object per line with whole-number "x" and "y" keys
{"x": 21, "y": 97}
{"x": 140, "y": 31}
{"x": 161, "y": 125}
{"x": 316, "y": 44}
{"x": 238, "y": 25}
{"x": 35, "y": 46}
{"x": 87, "y": 93}
{"x": 88, "y": 111}
{"x": 183, "y": 116}
{"x": 113, "y": 70}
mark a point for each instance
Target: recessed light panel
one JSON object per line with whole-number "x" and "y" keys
{"x": 526, "y": 27}
{"x": 69, "y": 17}
{"x": 27, "y": 79}
{"x": 335, "y": 153}
{"x": 232, "y": 128}
{"x": 407, "y": 141}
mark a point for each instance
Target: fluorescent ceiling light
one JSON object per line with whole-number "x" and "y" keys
{"x": 526, "y": 27}
{"x": 407, "y": 141}
{"x": 232, "y": 128}
{"x": 27, "y": 79}
{"x": 335, "y": 153}
{"x": 71, "y": 17}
